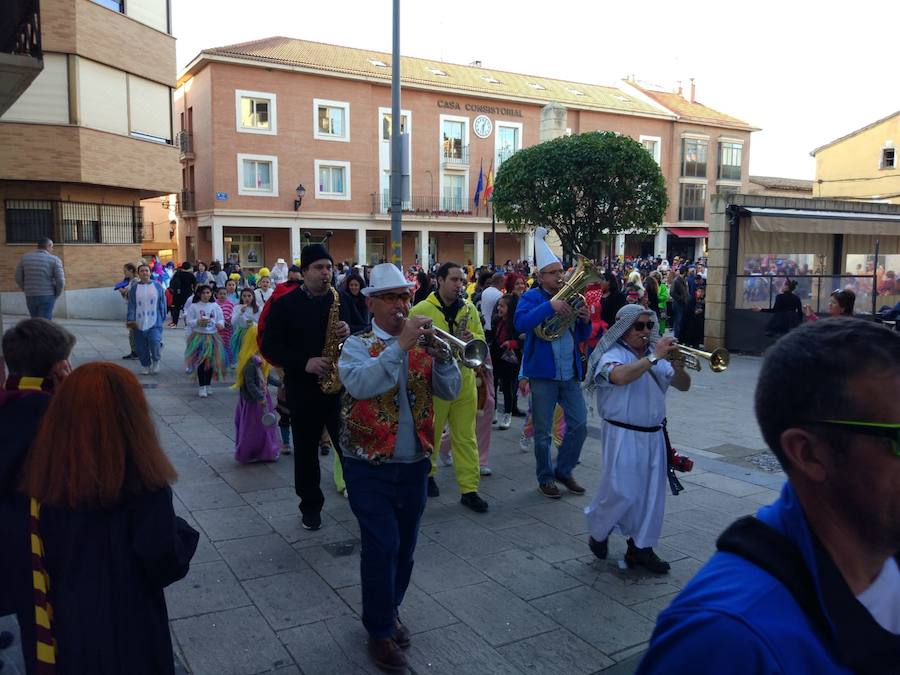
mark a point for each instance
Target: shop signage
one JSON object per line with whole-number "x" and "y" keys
{"x": 476, "y": 108}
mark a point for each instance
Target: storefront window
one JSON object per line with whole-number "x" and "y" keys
{"x": 247, "y": 249}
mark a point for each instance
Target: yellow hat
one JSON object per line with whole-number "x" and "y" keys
{"x": 298, "y": 262}
{"x": 264, "y": 272}
{"x": 235, "y": 277}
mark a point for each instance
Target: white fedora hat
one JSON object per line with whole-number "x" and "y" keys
{"x": 385, "y": 277}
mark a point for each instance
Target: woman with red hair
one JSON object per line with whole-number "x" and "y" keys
{"x": 105, "y": 538}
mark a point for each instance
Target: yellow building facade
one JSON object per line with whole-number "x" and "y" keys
{"x": 863, "y": 165}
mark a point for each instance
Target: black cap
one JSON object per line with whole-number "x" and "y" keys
{"x": 311, "y": 253}
{"x": 295, "y": 269}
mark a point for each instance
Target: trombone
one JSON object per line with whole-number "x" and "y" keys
{"x": 718, "y": 358}
{"x": 471, "y": 353}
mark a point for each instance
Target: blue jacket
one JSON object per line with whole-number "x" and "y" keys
{"x": 537, "y": 358}
{"x": 160, "y": 303}
{"x": 735, "y": 618}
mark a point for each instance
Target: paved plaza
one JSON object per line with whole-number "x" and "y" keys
{"x": 511, "y": 591}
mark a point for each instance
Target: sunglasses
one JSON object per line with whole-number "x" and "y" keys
{"x": 393, "y": 297}
{"x": 878, "y": 429}
{"x": 641, "y": 325}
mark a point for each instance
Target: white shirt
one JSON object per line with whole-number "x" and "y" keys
{"x": 243, "y": 316}
{"x": 882, "y": 598}
{"x": 145, "y": 297}
{"x": 263, "y": 296}
{"x": 207, "y": 310}
{"x": 489, "y": 298}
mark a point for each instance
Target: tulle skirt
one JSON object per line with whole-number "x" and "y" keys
{"x": 234, "y": 345}
{"x": 206, "y": 348}
{"x": 254, "y": 442}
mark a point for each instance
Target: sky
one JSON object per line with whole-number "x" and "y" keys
{"x": 801, "y": 72}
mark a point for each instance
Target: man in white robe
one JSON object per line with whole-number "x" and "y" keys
{"x": 631, "y": 374}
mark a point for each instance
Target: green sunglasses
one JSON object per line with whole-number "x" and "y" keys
{"x": 891, "y": 431}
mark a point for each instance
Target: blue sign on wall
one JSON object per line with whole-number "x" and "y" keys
{"x": 221, "y": 196}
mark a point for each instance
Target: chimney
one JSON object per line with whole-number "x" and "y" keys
{"x": 679, "y": 87}
{"x": 476, "y": 63}
{"x": 693, "y": 91}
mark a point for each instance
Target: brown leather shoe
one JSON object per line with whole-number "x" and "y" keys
{"x": 401, "y": 635}
{"x": 387, "y": 655}
{"x": 549, "y": 490}
{"x": 571, "y": 485}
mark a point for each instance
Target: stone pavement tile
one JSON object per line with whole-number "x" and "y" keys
{"x": 499, "y": 517}
{"x": 564, "y": 515}
{"x": 208, "y": 587}
{"x": 294, "y": 598}
{"x": 419, "y": 611}
{"x": 652, "y": 608}
{"x": 545, "y": 541}
{"x": 632, "y": 586}
{"x": 338, "y": 507}
{"x": 269, "y": 495}
{"x": 699, "y": 544}
{"x": 524, "y": 573}
{"x": 499, "y": 487}
{"x": 437, "y": 512}
{"x": 712, "y": 501}
{"x": 214, "y": 494}
{"x": 498, "y": 615}
{"x": 730, "y": 486}
{"x": 253, "y": 477}
{"x": 192, "y": 470}
{"x": 628, "y": 666}
{"x": 763, "y": 498}
{"x": 603, "y": 623}
{"x": 316, "y": 651}
{"x": 276, "y": 509}
{"x": 456, "y": 650}
{"x": 337, "y": 564}
{"x": 232, "y": 523}
{"x": 261, "y": 556}
{"x": 467, "y": 539}
{"x": 557, "y": 652}
{"x": 205, "y": 552}
{"x": 233, "y": 642}
{"x": 683, "y": 571}
{"x": 707, "y": 521}
{"x": 437, "y": 569}
{"x": 291, "y": 529}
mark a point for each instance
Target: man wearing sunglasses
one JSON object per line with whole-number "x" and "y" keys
{"x": 811, "y": 584}
{"x": 631, "y": 374}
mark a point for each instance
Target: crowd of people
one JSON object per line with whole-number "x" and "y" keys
{"x": 363, "y": 364}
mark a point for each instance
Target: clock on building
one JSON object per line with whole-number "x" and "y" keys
{"x": 483, "y": 126}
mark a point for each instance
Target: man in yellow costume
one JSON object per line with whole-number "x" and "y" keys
{"x": 450, "y": 311}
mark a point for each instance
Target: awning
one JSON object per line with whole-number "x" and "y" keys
{"x": 689, "y": 232}
{"x": 823, "y": 222}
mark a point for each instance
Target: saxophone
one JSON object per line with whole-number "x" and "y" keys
{"x": 331, "y": 383}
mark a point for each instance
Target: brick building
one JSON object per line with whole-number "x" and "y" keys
{"x": 84, "y": 141}
{"x": 259, "y": 120}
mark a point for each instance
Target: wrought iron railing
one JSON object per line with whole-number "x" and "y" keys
{"x": 184, "y": 140}
{"x": 455, "y": 154}
{"x": 452, "y": 204}
{"x": 20, "y": 28}
{"x": 28, "y": 220}
{"x": 186, "y": 203}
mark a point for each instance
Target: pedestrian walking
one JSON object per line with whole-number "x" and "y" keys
{"x": 204, "y": 351}
{"x": 145, "y": 317}
{"x": 40, "y": 275}
{"x": 254, "y": 440}
{"x": 182, "y": 285}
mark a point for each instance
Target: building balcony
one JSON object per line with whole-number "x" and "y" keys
{"x": 451, "y": 204}
{"x": 21, "y": 57}
{"x": 184, "y": 141}
{"x": 65, "y": 222}
{"x": 186, "y": 203}
{"x": 454, "y": 155}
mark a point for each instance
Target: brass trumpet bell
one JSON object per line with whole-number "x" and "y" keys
{"x": 471, "y": 353}
{"x": 718, "y": 358}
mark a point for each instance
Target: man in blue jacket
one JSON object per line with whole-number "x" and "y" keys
{"x": 553, "y": 369}
{"x": 811, "y": 585}
{"x": 146, "y": 314}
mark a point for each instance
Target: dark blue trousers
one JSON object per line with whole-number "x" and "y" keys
{"x": 388, "y": 501}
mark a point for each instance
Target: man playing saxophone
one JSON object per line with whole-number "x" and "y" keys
{"x": 299, "y": 330}
{"x": 554, "y": 371}
{"x": 456, "y": 315}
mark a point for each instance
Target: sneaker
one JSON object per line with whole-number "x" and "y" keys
{"x": 433, "y": 489}
{"x": 311, "y": 521}
{"x": 571, "y": 485}
{"x": 496, "y": 418}
{"x": 130, "y": 357}
{"x": 401, "y": 635}
{"x": 324, "y": 449}
{"x": 209, "y": 390}
{"x": 474, "y": 502}
{"x": 505, "y": 421}
{"x": 549, "y": 490}
{"x": 345, "y": 493}
{"x": 444, "y": 460}
{"x": 646, "y": 558}
{"x": 285, "y": 448}
{"x": 189, "y": 370}
{"x": 386, "y": 654}
{"x": 203, "y": 392}
{"x": 154, "y": 368}
{"x": 485, "y": 471}
{"x": 599, "y": 548}
{"x": 524, "y": 443}
{"x": 145, "y": 371}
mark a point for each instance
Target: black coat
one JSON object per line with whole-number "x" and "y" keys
{"x": 787, "y": 313}
{"x": 182, "y": 284}
{"x": 354, "y": 307}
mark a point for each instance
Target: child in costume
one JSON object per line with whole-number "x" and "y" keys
{"x": 253, "y": 441}
{"x": 227, "y": 308}
{"x": 245, "y": 314}
{"x": 205, "y": 352}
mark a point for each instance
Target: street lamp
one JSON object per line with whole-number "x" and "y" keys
{"x": 301, "y": 193}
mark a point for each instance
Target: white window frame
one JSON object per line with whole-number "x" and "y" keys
{"x": 317, "y": 102}
{"x": 465, "y": 123}
{"x": 658, "y": 154}
{"x": 508, "y": 125}
{"x": 345, "y": 196}
{"x": 889, "y": 145}
{"x": 273, "y": 117}
{"x": 466, "y": 185}
{"x": 259, "y": 158}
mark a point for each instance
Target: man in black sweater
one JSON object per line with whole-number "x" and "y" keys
{"x": 294, "y": 338}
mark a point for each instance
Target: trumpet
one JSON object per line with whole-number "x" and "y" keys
{"x": 472, "y": 353}
{"x": 718, "y": 358}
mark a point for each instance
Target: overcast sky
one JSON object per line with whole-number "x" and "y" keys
{"x": 802, "y": 72}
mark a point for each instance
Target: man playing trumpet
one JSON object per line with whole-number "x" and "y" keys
{"x": 631, "y": 372}
{"x": 387, "y": 434}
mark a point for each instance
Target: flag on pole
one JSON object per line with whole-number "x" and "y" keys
{"x": 489, "y": 188}
{"x": 480, "y": 186}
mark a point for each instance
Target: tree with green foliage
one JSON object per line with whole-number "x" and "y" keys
{"x": 587, "y": 188}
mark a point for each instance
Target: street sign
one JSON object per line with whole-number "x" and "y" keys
{"x": 221, "y": 196}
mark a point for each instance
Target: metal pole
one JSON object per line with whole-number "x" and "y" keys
{"x": 875, "y": 277}
{"x": 396, "y": 147}
{"x": 493, "y": 240}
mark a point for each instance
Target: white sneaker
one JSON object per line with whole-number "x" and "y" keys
{"x": 145, "y": 371}
{"x": 154, "y": 368}
{"x": 524, "y": 443}
{"x": 209, "y": 390}
{"x": 203, "y": 392}
{"x": 444, "y": 460}
{"x": 496, "y": 419}
{"x": 505, "y": 421}
{"x": 485, "y": 471}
